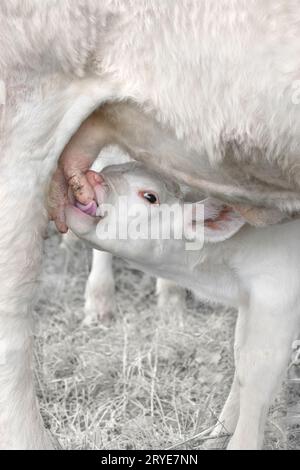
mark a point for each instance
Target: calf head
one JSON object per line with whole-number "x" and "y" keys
{"x": 146, "y": 219}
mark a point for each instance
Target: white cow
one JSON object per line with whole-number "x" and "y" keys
{"x": 256, "y": 270}
{"x": 208, "y": 90}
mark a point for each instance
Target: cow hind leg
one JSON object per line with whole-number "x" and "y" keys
{"x": 23, "y": 220}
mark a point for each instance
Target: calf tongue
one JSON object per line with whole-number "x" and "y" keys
{"x": 89, "y": 209}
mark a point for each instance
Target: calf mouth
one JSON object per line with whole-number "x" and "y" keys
{"x": 89, "y": 209}
{"x": 95, "y": 208}
{"x": 79, "y": 222}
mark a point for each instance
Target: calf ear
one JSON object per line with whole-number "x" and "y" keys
{"x": 220, "y": 221}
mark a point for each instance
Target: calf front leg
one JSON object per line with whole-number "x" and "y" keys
{"x": 171, "y": 299}
{"x": 169, "y": 294}
{"x": 23, "y": 219}
{"x": 100, "y": 303}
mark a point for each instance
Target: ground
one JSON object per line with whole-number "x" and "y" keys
{"x": 148, "y": 380}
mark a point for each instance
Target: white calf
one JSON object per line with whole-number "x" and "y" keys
{"x": 254, "y": 270}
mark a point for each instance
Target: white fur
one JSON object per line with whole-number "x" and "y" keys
{"x": 211, "y": 85}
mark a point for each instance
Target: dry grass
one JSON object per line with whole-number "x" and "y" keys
{"x": 150, "y": 380}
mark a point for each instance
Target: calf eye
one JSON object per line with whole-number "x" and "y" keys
{"x": 152, "y": 198}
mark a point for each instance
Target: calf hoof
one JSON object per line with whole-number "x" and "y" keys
{"x": 100, "y": 304}
{"x": 216, "y": 443}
